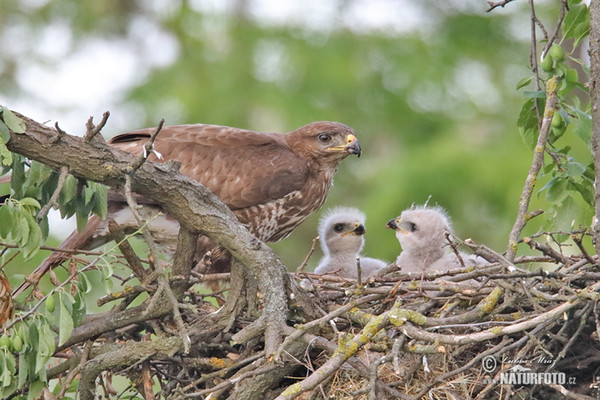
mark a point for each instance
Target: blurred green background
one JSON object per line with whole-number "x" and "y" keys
{"x": 429, "y": 86}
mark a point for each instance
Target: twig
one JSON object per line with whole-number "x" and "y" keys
{"x": 50, "y": 248}
{"x": 148, "y": 148}
{"x": 310, "y": 252}
{"x": 162, "y": 279}
{"x": 132, "y": 259}
{"x": 301, "y": 330}
{"x": 495, "y": 4}
{"x": 536, "y": 165}
{"x": 64, "y": 172}
{"x": 93, "y": 130}
{"x": 358, "y": 274}
{"x": 343, "y": 353}
{"x": 444, "y": 377}
{"x": 66, "y": 384}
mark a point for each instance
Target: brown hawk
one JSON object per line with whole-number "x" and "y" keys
{"x": 271, "y": 181}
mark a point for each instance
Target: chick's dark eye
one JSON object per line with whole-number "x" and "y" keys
{"x": 412, "y": 227}
{"x": 338, "y": 227}
{"x": 324, "y": 138}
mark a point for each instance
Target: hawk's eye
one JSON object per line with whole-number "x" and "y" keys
{"x": 412, "y": 227}
{"x": 324, "y": 138}
{"x": 338, "y": 227}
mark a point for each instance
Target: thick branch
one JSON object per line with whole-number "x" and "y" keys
{"x": 595, "y": 93}
{"x": 195, "y": 207}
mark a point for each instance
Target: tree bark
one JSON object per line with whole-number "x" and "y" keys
{"x": 196, "y": 208}
{"x": 595, "y": 95}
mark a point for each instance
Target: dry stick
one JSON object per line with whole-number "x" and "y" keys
{"x": 132, "y": 259}
{"x": 578, "y": 239}
{"x": 445, "y": 377}
{"x": 93, "y": 130}
{"x": 64, "y": 172}
{"x": 568, "y": 394}
{"x": 398, "y": 344}
{"x": 582, "y": 322}
{"x": 358, "y": 273}
{"x": 557, "y": 312}
{"x": 536, "y": 165}
{"x": 327, "y": 345}
{"x": 262, "y": 370}
{"x": 301, "y": 330}
{"x": 148, "y": 148}
{"x": 66, "y": 385}
{"x": 345, "y": 351}
{"x": 310, "y": 252}
{"x": 50, "y": 248}
{"x": 162, "y": 279}
{"x": 495, "y": 4}
{"x": 223, "y": 371}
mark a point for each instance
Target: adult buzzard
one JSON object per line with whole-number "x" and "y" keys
{"x": 271, "y": 181}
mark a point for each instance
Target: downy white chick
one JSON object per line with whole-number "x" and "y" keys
{"x": 341, "y": 233}
{"x": 421, "y": 233}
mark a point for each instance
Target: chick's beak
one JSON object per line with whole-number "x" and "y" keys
{"x": 394, "y": 224}
{"x": 359, "y": 229}
{"x": 391, "y": 224}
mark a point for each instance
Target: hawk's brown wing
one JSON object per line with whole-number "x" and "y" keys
{"x": 243, "y": 168}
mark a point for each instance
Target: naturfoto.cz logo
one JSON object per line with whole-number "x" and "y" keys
{"x": 519, "y": 375}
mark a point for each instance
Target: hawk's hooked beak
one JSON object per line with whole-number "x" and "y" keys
{"x": 352, "y": 146}
{"x": 398, "y": 225}
{"x": 359, "y": 229}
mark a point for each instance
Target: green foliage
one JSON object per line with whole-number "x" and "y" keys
{"x": 19, "y": 226}
{"x": 569, "y": 170}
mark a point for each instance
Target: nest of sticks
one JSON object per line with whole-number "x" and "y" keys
{"x": 523, "y": 329}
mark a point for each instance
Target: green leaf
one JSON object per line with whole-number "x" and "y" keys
{"x": 44, "y": 227}
{"x": 573, "y": 169}
{"x": 69, "y": 189}
{"x": 5, "y": 375}
{"x": 79, "y": 308}
{"x": 534, "y": 94}
{"x": 529, "y": 137}
{"x": 23, "y": 370}
{"x": 8, "y": 221}
{"x": 524, "y": 82}
{"x": 582, "y": 125}
{"x": 4, "y": 132}
{"x": 37, "y": 176}
{"x": 23, "y": 228}
{"x": 46, "y": 345}
{"x": 84, "y": 284}
{"x": 34, "y": 239}
{"x": 99, "y": 200}
{"x": 556, "y": 189}
{"x": 65, "y": 325}
{"x": 14, "y": 123}
{"x": 35, "y": 388}
{"x": 576, "y": 24}
{"x": 18, "y": 179}
{"x": 6, "y": 157}
{"x": 31, "y": 202}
